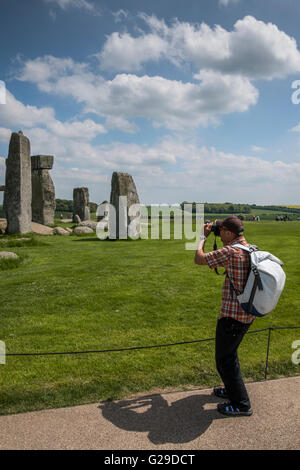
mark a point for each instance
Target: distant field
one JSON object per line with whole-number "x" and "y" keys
{"x": 78, "y": 293}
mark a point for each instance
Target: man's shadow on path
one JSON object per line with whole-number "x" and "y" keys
{"x": 182, "y": 421}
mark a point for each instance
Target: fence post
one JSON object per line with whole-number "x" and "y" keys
{"x": 268, "y": 349}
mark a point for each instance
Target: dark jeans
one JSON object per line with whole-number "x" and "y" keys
{"x": 229, "y": 335}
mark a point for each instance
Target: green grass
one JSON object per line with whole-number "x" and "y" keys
{"x": 79, "y": 293}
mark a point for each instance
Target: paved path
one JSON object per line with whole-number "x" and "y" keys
{"x": 179, "y": 420}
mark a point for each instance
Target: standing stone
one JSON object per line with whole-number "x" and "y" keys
{"x": 17, "y": 196}
{"x": 81, "y": 203}
{"x": 2, "y": 189}
{"x": 105, "y": 209}
{"x": 43, "y": 191}
{"x": 123, "y": 195}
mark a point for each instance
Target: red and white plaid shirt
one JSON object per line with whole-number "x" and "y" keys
{"x": 236, "y": 263}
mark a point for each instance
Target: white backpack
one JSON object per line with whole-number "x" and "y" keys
{"x": 265, "y": 282}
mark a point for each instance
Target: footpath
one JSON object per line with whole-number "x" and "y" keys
{"x": 164, "y": 421}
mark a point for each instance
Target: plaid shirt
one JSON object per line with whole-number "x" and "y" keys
{"x": 236, "y": 263}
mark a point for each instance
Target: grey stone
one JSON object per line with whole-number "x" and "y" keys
{"x": 122, "y": 184}
{"x": 41, "y": 229}
{"x": 3, "y": 226}
{"x": 88, "y": 223}
{"x": 60, "y": 231}
{"x": 43, "y": 196}
{"x": 104, "y": 212}
{"x": 76, "y": 219}
{"x": 42, "y": 162}
{"x": 8, "y": 254}
{"x": 82, "y": 229}
{"x": 67, "y": 221}
{"x": 81, "y": 203}
{"x": 17, "y": 195}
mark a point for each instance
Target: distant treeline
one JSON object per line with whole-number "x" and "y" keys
{"x": 216, "y": 208}
{"x": 277, "y": 208}
{"x": 64, "y": 205}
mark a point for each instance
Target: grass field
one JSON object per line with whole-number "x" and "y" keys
{"x": 79, "y": 293}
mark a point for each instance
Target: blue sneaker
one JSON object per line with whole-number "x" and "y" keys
{"x": 228, "y": 409}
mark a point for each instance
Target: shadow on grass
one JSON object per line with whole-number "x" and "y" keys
{"x": 82, "y": 238}
{"x": 179, "y": 422}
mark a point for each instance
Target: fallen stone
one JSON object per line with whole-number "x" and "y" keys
{"x": 40, "y": 229}
{"x": 8, "y": 254}
{"x": 3, "y": 225}
{"x": 88, "y": 223}
{"x": 66, "y": 221}
{"x": 60, "y": 231}
{"x": 82, "y": 229}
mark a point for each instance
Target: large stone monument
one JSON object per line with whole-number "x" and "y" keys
{"x": 43, "y": 191}
{"x": 81, "y": 203}
{"x": 17, "y": 195}
{"x": 123, "y": 195}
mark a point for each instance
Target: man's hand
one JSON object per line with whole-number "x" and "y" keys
{"x": 207, "y": 229}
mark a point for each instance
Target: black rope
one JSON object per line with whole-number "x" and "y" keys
{"x": 143, "y": 347}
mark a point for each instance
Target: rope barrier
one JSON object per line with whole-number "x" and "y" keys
{"x": 270, "y": 328}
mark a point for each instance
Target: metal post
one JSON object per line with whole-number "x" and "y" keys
{"x": 268, "y": 349}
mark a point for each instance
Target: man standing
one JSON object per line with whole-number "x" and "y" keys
{"x": 233, "y": 321}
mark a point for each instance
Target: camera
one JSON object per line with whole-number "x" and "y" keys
{"x": 215, "y": 229}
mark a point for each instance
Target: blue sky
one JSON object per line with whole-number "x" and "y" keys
{"x": 192, "y": 98}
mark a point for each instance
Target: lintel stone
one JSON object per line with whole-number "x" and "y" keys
{"x": 42, "y": 162}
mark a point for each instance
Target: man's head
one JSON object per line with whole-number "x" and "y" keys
{"x": 230, "y": 228}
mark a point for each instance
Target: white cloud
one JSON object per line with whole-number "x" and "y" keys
{"x": 296, "y": 128}
{"x": 82, "y": 130}
{"x": 5, "y": 134}
{"x": 126, "y": 97}
{"x": 253, "y": 48}
{"x": 80, "y": 4}
{"x": 171, "y": 170}
{"x": 120, "y": 15}
{"x": 225, "y": 3}
{"x": 256, "y": 148}
{"x": 124, "y": 53}
{"x": 15, "y": 113}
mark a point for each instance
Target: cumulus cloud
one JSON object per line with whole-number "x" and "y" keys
{"x": 168, "y": 169}
{"x": 124, "y": 52}
{"x": 253, "y": 48}
{"x": 16, "y": 115}
{"x": 225, "y": 65}
{"x": 173, "y": 104}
